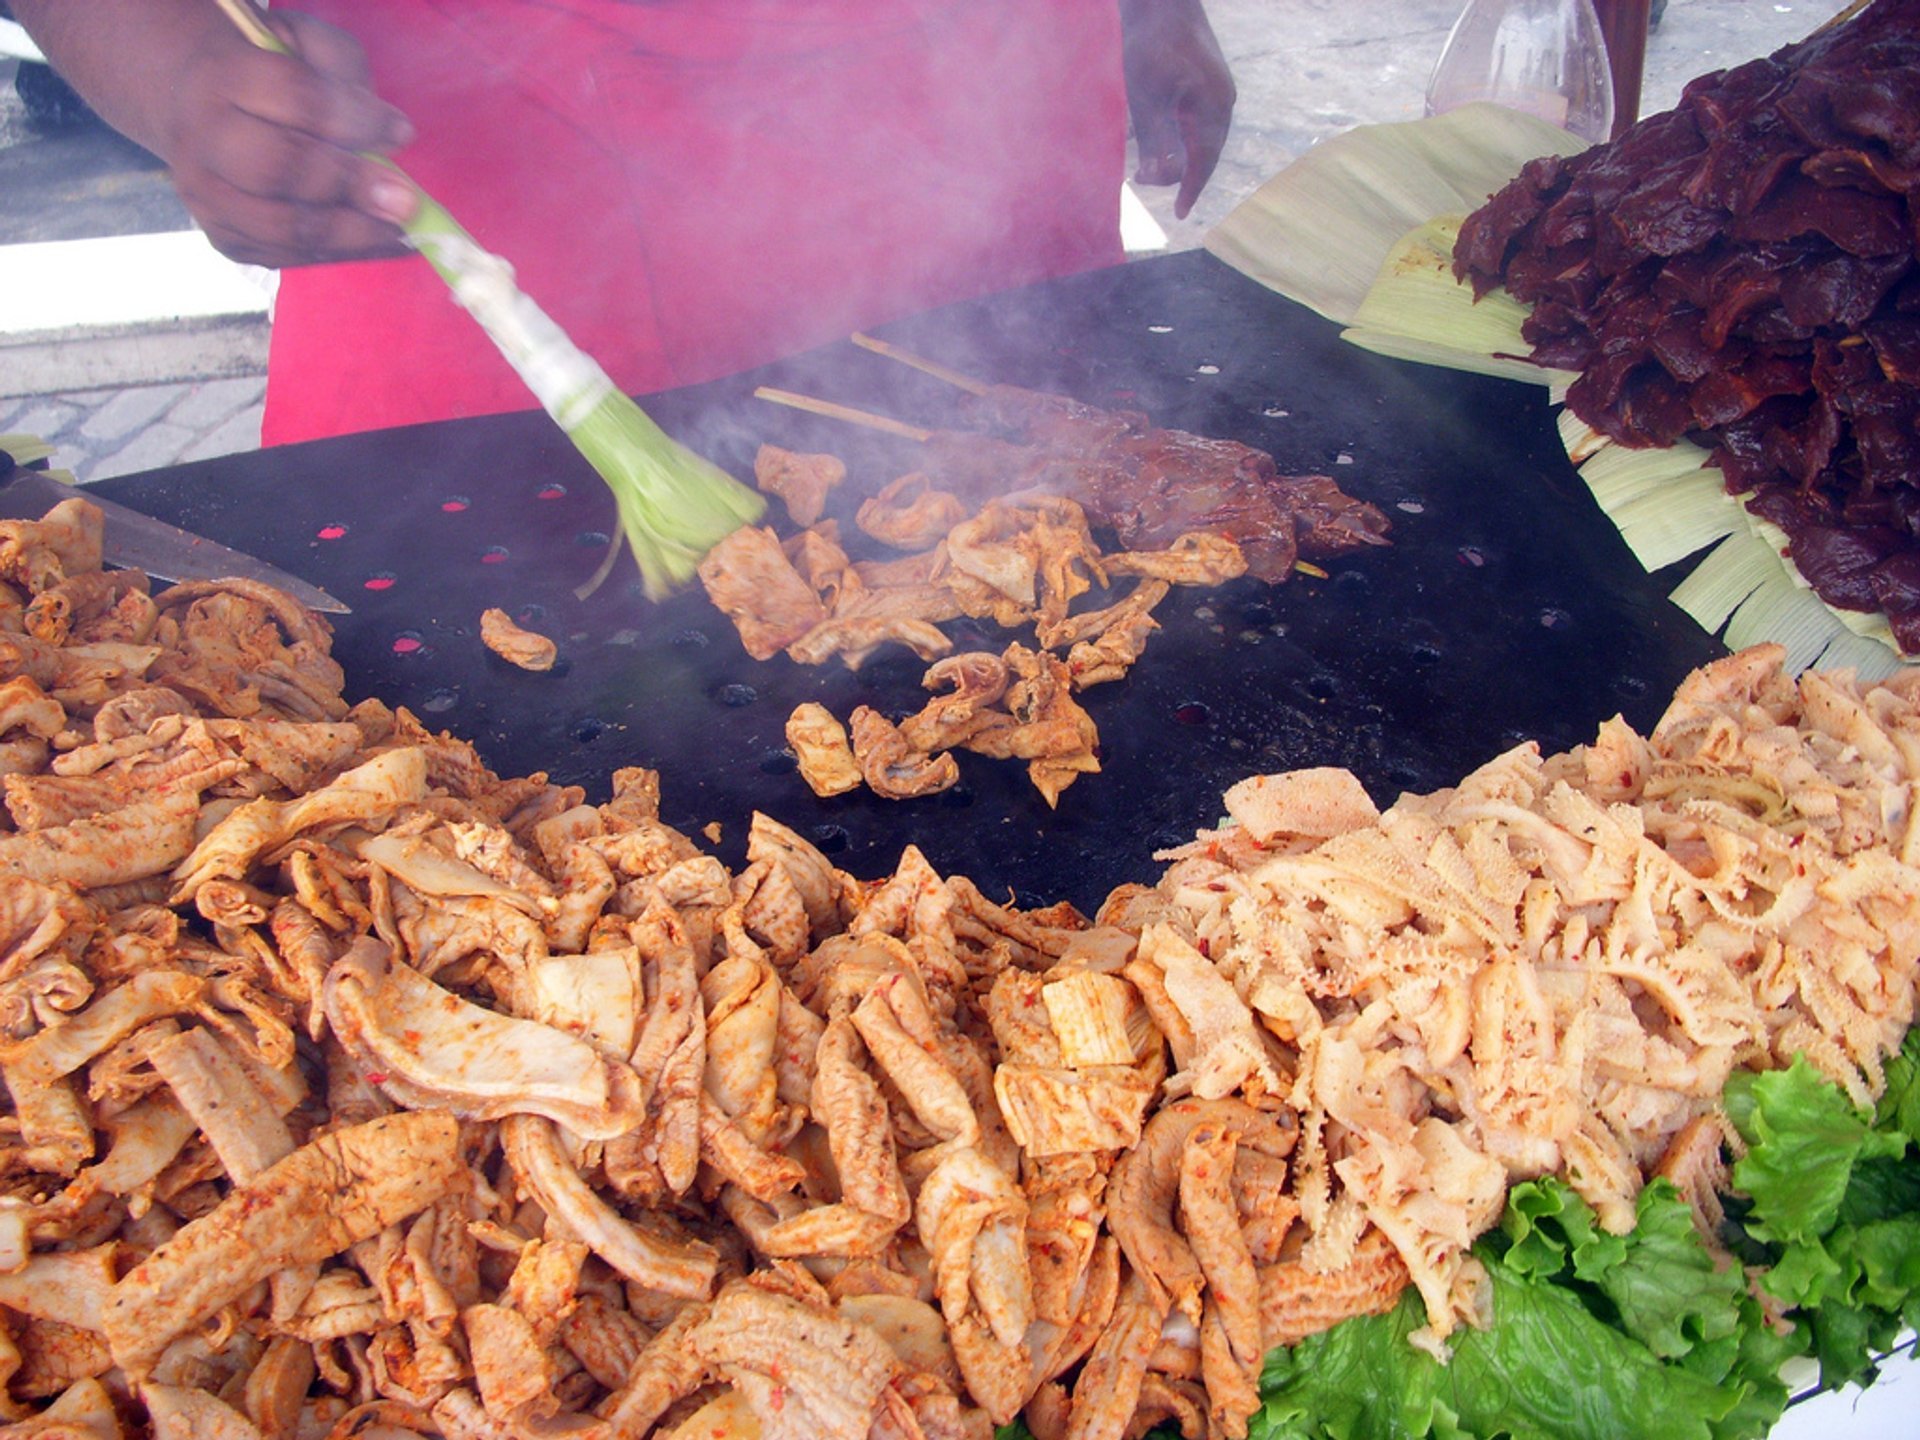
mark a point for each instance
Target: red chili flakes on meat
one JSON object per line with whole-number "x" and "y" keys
{"x": 1744, "y": 271}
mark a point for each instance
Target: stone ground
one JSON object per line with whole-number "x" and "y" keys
{"x": 103, "y": 433}
{"x": 1306, "y": 69}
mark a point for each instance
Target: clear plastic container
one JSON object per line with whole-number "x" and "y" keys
{"x": 1547, "y": 57}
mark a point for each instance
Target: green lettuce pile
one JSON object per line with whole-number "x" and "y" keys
{"x": 1603, "y": 1336}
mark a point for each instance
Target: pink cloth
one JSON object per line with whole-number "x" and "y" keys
{"x": 693, "y": 187}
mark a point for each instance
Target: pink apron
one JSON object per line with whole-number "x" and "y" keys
{"x": 693, "y": 187}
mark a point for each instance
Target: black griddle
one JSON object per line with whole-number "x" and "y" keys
{"x": 1507, "y": 609}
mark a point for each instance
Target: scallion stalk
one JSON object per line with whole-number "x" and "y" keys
{"x": 673, "y": 505}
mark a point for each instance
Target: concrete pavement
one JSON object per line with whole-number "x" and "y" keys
{"x": 167, "y": 365}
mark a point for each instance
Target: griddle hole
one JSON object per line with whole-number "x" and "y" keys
{"x": 1167, "y": 840}
{"x": 593, "y": 539}
{"x": 456, "y": 504}
{"x": 830, "y": 839}
{"x": 493, "y": 555}
{"x": 1554, "y": 618}
{"x": 691, "y": 640}
{"x": 586, "y": 731}
{"x": 1425, "y": 652}
{"x": 957, "y": 798}
{"x": 410, "y": 645}
{"x": 380, "y": 580}
{"x": 1403, "y": 777}
{"x": 335, "y": 531}
{"x": 1193, "y": 712}
{"x": 552, "y": 490}
{"x": 440, "y": 701}
{"x": 779, "y": 762}
{"x": 1321, "y": 687}
{"x": 1631, "y": 685}
{"x": 735, "y": 695}
{"x": 1352, "y": 585}
{"x": 1258, "y": 615}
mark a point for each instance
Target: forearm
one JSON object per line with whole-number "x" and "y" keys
{"x": 122, "y": 55}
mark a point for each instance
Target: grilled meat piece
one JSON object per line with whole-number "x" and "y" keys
{"x": 1150, "y": 485}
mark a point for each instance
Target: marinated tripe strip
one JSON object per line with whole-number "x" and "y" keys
{"x": 1231, "y": 1344}
{"x": 807, "y": 1373}
{"x": 514, "y": 643}
{"x": 432, "y": 1048}
{"x": 819, "y": 742}
{"x": 237, "y": 1116}
{"x": 748, "y": 576}
{"x": 329, "y": 1194}
{"x": 369, "y": 792}
{"x": 955, "y": 1114}
{"x": 148, "y": 837}
{"x": 1297, "y": 1300}
{"x": 802, "y": 481}
{"x": 671, "y": 1266}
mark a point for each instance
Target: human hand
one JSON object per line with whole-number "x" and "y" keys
{"x": 1180, "y": 93}
{"x": 272, "y": 153}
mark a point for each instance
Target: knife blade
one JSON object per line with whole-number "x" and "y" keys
{"x": 138, "y": 541}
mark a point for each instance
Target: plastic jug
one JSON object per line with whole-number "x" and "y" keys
{"x": 1547, "y": 57}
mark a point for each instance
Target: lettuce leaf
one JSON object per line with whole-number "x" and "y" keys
{"x": 1644, "y": 1333}
{"x": 1899, "y": 1108}
{"x": 1647, "y": 1334}
{"x": 1667, "y": 1290}
{"x": 1835, "y": 1203}
{"x": 1545, "y": 1369}
{"x": 1804, "y": 1138}
{"x": 1658, "y": 1283}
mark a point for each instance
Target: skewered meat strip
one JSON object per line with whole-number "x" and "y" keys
{"x": 1147, "y": 484}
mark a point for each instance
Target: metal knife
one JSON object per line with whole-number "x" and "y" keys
{"x": 139, "y": 542}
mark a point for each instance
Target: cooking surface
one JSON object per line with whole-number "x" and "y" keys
{"x": 1506, "y": 609}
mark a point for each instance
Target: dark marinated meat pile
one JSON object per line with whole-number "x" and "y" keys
{"x": 1148, "y": 485}
{"x": 1741, "y": 270}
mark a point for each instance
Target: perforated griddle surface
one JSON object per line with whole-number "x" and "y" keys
{"x": 1506, "y": 610}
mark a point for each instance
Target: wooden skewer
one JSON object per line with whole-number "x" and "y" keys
{"x": 1845, "y": 15}
{"x": 920, "y": 362}
{"x": 243, "y": 14}
{"x": 847, "y": 413}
